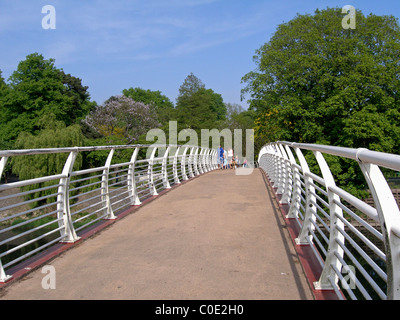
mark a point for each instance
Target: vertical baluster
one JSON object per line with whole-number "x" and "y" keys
{"x": 150, "y": 173}
{"x": 196, "y": 161}
{"x": 191, "y": 162}
{"x": 296, "y": 185}
{"x": 164, "y": 169}
{"x": 305, "y": 236}
{"x": 184, "y": 161}
{"x": 63, "y": 208}
{"x": 132, "y": 187}
{"x": 389, "y": 217}
{"x": 286, "y": 183}
{"x": 3, "y": 276}
{"x": 335, "y": 236}
{"x": 105, "y": 195}
{"x": 175, "y": 165}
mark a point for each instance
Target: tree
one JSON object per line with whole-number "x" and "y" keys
{"x": 317, "y": 82}
{"x": 2, "y": 83}
{"x": 197, "y": 107}
{"x": 3, "y": 93}
{"x": 123, "y": 118}
{"x": 38, "y": 88}
{"x": 53, "y": 134}
{"x": 162, "y": 104}
{"x": 239, "y": 119}
{"x": 190, "y": 85}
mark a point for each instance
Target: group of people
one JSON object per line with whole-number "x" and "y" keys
{"x": 227, "y": 160}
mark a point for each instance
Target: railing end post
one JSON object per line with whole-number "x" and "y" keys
{"x": 3, "y": 276}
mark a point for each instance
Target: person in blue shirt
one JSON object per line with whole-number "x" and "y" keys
{"x": 220, "y": 157}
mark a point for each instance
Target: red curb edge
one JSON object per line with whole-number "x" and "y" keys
{"x": 22, "y": 269}
{"x": 305, "y": 253}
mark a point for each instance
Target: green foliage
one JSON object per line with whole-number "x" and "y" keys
{"x": 197, "y": 107}
{"x": 328, "y": 84}
{"x": 3, "y": 86}
{"x": 162, "y": 104}
{"x": 53, "y": 134}
{"x": 123, "y": 118}
{"x": 4, "y": 90}
{"x": 316, "y": 82}
{"x": 38, "y": 88}
{"x": 238, "y": 119}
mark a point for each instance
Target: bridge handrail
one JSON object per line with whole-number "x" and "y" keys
{"x": 80, "y": 198}
{"x": 351, "y": 239}
{"x": 387, "y": 160}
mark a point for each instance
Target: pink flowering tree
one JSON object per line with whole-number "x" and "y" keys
{"x": 122, "y": 117}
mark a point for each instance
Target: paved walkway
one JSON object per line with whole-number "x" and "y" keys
{"x": 219, "y": 237}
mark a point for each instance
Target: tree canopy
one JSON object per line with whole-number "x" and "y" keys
{"x": 53, "y": 134}
{"x": 43, "y": 106}
{"x": 316, "y": 82}
{"x": 122, "y": 117}
{"x": 161, "y": 103}
{"x": 197, "y": 107}
{"x": 35, "y": 89}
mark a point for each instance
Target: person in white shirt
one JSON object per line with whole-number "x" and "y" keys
{"x": 230, "y": 156}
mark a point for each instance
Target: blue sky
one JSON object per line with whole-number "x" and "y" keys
{"x": 154, "y": 44}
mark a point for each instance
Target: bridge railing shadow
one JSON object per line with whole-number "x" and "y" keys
{"x": 42, "y": 211}
{"x": 356, "y": 245}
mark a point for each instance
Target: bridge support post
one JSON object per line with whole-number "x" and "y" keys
{"x": 204, "y": 161}
{"x": 3, "y": 276}
{"x": 296, "y": 187}
{"x": 214, "y": 159}
{"x": 164, "y": 169}
{"x": 280, "y": 170}
{"x": 191, "y": 162}
{"x": 175, "y": 165}
{"x": 328, "y": 277}
{"x": 63, "y": 208}
{"x": 184, "y": 161}
{"x": 389, "y": 216}
{"x": 305, "y": 236}
{"x": 286, "y": 181}
{"x": 210, "y": 160}
{"x": 152, "y": 187}
{"x": 273, "y": 172}
{"x": 199, "y": 164}
{"x": 196, "y": 161}
{"x": 105, "y": 195}
{"x": 134, "y": 198}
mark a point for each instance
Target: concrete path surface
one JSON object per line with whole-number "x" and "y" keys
{"x": 218, "y": 236}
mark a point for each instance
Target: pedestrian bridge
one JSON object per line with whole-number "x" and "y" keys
{"x": 163, "y": 222}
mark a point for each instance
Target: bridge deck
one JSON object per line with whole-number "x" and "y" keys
{"x": 219, "y": 236}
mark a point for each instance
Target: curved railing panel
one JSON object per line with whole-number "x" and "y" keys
{"x": 39, "y": 212}
{"x": 356, "y": 244}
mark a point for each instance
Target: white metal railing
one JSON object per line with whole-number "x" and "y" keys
{"x": 36, "y": 213}
{"x": 357, "y": 245}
